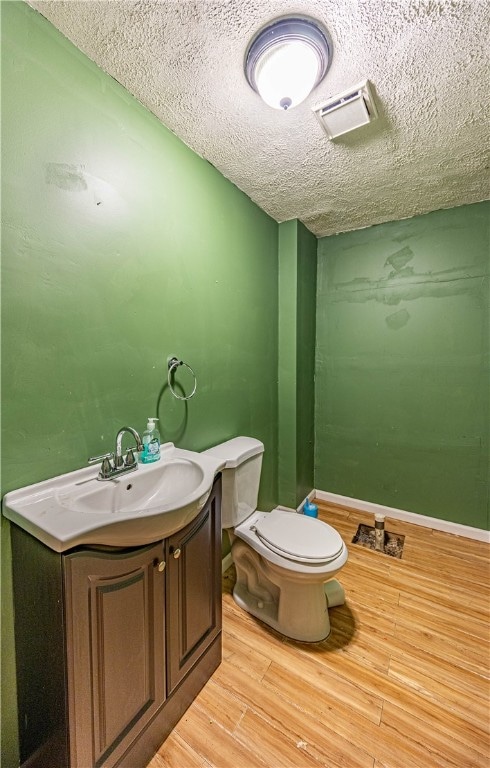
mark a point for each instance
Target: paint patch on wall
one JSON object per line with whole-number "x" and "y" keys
{"x": 390, "y": 291}
{"x": 398, "y": 319}
{"x": 65, "y": 176}
{"x": 399, "y": 261}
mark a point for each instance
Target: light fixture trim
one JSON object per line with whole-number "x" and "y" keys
{"x": 300, "y": 30}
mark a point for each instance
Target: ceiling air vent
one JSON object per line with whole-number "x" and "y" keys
{"x": 347, "y": 111}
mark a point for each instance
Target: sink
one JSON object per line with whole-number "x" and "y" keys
{"x": 174, "y": 481}
{"x": 133, "y": 509}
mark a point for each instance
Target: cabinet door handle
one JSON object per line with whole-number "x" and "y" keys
{"x": 176, "y": 553}
{"x": 161, "y": 565}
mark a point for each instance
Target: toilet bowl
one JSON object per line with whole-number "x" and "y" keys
{"x": 285, "y": 562}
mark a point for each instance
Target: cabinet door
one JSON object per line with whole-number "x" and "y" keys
{"x": 193, "y": 589}
{"x": 115, "y": 649}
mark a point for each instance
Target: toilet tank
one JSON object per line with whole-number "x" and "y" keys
{"x": 241, "y": 478}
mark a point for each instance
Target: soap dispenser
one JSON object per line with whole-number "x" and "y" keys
{"x": 151, "y": 442}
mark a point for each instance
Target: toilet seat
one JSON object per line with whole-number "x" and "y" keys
{"x": 295, "y": 537}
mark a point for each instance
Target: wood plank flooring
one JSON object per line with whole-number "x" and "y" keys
{"x": 402, "y": 681}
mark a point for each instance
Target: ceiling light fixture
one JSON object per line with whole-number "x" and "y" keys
{"x": 287, "y": 59}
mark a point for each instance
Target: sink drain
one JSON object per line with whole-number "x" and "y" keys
{"x": 393, "y": 545}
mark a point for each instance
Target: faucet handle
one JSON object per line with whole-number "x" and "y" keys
{"x": 106, "y": 468}
{"x": 129, "y": 460}
{"x": 96, "y": 459}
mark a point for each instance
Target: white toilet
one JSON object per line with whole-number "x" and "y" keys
{"x": 285, "y": 562}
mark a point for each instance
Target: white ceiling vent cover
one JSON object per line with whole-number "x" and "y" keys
{"x": 347, "y": 111}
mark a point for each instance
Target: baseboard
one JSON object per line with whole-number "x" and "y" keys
{"x": 226, "y": 561}
{"x": 283, "y": 508}
{"x": 408, "y": 517}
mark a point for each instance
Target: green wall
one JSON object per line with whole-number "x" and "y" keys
{"x": 305, "y": 392}
{"x": 402, "y": 383}
{"x": 120, "y": 247}
{"x": 296, "y": 361}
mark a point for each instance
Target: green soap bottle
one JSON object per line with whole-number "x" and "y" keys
{"x": 151, "y": 443}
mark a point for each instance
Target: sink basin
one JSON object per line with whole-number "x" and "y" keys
{"x": 174, "y": 481}
{"x": 137, "y": 508}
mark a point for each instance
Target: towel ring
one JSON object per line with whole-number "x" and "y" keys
{"x": 174, "y": 363}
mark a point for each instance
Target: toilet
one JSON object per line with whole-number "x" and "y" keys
{"x": 285, "y": 562}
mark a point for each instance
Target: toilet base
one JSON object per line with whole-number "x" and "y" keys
{"x": 334, "y": 592}
{"x": 312, "y": 626}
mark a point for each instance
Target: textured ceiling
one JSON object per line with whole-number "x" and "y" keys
{"x": 427, "y": 59}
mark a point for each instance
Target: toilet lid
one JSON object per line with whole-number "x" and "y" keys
{"x": 297, "y": 537}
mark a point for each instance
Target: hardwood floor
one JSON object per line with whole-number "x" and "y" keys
{"x": 402, "y": 681}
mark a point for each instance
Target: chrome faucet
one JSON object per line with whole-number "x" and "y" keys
{"x": 115, "y": 464}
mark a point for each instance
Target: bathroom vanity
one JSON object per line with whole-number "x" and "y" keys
{"x": 113, "y": 644}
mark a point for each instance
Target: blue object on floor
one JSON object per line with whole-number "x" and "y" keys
{"x": 310, "y": 509}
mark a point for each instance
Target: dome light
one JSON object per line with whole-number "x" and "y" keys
{"x": 286, "y": 60}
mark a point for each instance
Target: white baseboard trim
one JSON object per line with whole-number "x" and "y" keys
{"x": 408, "y": 517}
{"x": 226, "y": 561}
{"x": 283, "y": 508}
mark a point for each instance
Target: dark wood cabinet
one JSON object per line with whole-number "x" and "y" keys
{"x": 115, "y": 649}
{"x": 193, "y": 593}
{"x": 126, "y": 640}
